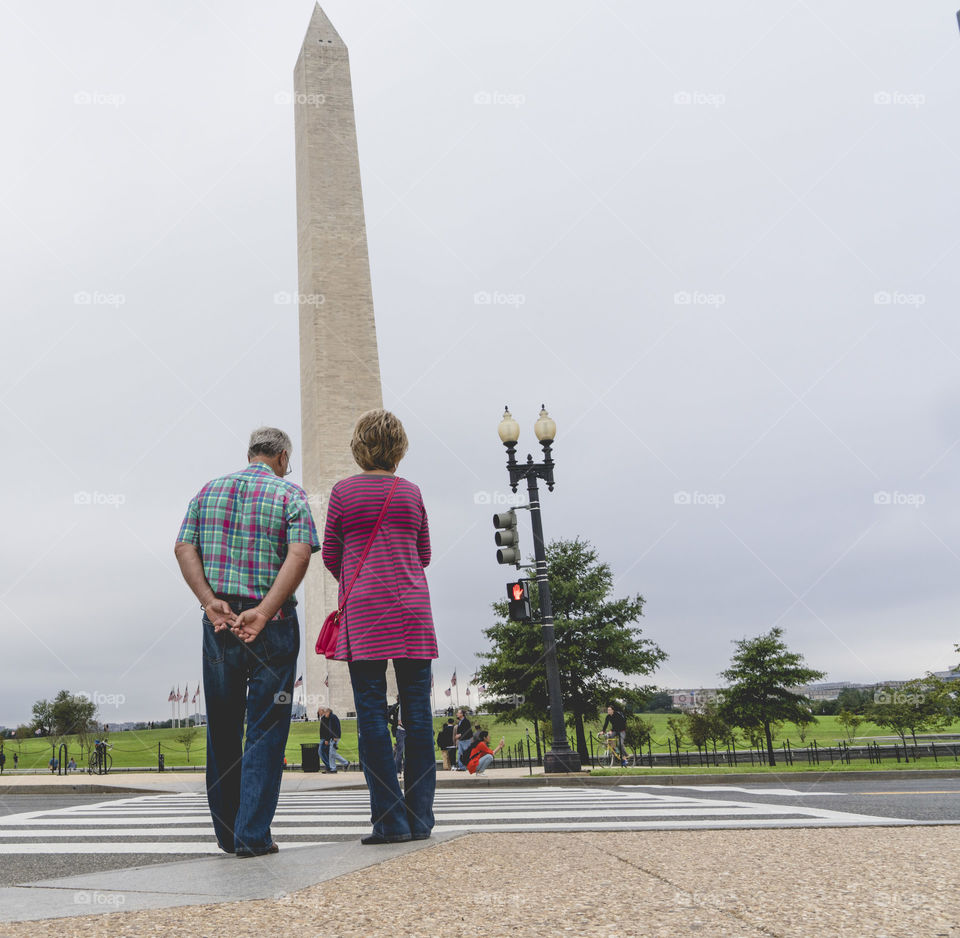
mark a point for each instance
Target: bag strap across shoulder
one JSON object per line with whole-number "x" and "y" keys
{"x": 373, "y": 534}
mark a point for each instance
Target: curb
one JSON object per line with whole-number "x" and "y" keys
{"x": 76, "y": 789}
{"x": 542, "y": 781}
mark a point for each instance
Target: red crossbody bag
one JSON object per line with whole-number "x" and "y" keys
{"x": 330, "y": 633}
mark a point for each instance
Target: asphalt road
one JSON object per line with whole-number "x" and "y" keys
{"x": 925, "y": 801}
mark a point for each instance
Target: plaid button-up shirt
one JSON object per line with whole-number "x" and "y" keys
{"x": 241, "y": 524}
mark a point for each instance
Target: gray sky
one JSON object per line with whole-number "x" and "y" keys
{"x": 719, "y": 240}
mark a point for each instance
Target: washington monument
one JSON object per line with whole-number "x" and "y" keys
{"x": 339, "y": 365}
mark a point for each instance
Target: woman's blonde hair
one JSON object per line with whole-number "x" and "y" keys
{"x": 379, "y": 441}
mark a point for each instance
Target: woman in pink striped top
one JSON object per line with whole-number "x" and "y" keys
{"x": 387, "y": 616}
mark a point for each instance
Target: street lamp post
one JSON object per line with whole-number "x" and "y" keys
{"x": 561, "y": 757}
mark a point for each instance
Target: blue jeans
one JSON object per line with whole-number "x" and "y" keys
{"x": 328, "y": 753}
{"x": 254, "y": 683}
{"x": 396, "y": 814}
{"x": 486, "y": 760}
{"x": 462, "y": 746}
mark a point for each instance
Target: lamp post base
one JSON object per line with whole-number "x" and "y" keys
{"x": 563, "y": 761}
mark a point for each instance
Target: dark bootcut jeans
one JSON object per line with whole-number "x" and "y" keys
{"x": 396, "y": 814}
{"x": 252, "y": 682}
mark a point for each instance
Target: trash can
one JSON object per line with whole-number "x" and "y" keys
{"x": 310, "y": 757}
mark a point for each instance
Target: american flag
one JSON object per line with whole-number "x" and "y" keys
{"x": 453, "y": 680}
{"x": 178, "y": 698}
{"x": 196, "y": 695}
{"x": 326, "y": 681}
{"x": 482, "y": 688}
{"x": 171, "y": 698}
{"x": 299, "y": 681}
{"x": 447, "y": 691}
{"x": 468, "y": 690}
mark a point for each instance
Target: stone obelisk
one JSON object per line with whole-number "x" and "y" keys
{"x": 339, "y": 364}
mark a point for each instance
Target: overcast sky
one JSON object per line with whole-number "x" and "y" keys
{"x": 719, "y": 241}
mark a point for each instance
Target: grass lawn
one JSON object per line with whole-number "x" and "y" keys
{"x": 135, "y": 748}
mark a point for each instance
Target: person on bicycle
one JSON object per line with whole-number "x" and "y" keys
{"x": 618, "y": 726}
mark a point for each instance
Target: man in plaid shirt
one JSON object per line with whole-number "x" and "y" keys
{"x": 243, "y": 548}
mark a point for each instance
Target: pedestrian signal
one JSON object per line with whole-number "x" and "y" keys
{"x": 518, "y": 597}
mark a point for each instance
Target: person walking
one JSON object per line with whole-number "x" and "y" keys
{"x": 445, "y": 743}
{"x": 16, "y": 761}
{"x": 463, "y": 736}
{"x": 243, "y": 549}
{"x": 3, "y": 760}
{"x": 386, "y": 616}
{"x": 330, "y": 739}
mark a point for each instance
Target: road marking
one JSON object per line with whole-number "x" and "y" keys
{"x": 180, "y": 823}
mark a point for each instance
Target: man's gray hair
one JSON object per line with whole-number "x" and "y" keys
{"x": 268, "y": 441}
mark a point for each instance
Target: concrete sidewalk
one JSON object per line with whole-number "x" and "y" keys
{"x": 880, "y": 882}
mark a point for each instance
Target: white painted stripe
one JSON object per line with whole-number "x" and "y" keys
{"x": 111, "y": 847}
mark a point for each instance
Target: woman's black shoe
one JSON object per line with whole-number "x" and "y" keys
{"x": 377, "y": 839}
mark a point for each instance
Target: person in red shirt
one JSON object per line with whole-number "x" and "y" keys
{"x": 481, "y": 756}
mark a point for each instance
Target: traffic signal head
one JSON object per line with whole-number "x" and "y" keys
{"x": 507, "y": 537}
{"x": 518, "y": 597}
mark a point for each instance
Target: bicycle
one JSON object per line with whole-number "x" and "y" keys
{"x": 100, "y": 762}
{"x": 610, "y": 753}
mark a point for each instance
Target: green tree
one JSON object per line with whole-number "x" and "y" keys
{"x": 677, "y": 726}
{"x": 74, "y": 715}
{"x": 660, "y": 701}
{"x": 854, "y": 699}
{"x": 916, "y": 706}
{"x": 850, "y": 722}
{"x": 187, "y": 737}
{"x": 22, "y": 732}
{"x": 43, "y": 717}
{"x": 803, "y": 721}
{"x": 639, "y": 732}
{"x": 706, "y": 726}
{"x": 761, "y": 674}
{"x": 598, "y": 643}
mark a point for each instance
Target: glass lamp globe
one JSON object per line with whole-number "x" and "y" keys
{"x": 509, "y": 429}
{"x": 545, "y": 427}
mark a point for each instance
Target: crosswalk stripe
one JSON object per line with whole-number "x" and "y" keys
{"x": 180, "y": 823}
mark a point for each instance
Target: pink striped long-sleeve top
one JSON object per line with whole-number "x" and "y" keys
{"x": 387, "y": 614}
